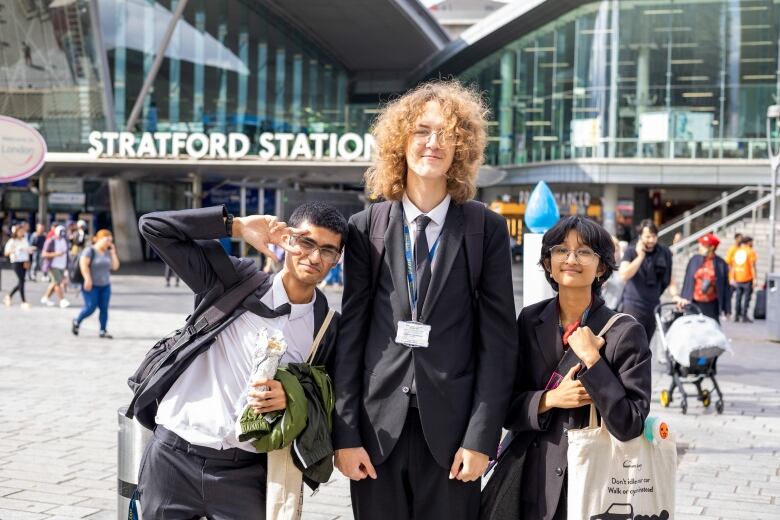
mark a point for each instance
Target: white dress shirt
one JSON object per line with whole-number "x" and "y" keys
{"x": 432, "y": 232}
{"x": 203, "y": 404}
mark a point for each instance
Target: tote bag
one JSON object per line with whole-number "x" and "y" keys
{"x": 614, "y": 480}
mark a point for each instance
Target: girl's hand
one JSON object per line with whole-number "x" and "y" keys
{"x": 586, "y": 345}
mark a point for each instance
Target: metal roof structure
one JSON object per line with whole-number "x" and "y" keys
{"x": 377, "y": 41}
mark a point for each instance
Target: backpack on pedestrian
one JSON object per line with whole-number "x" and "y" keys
{"x": 74, "y": 270}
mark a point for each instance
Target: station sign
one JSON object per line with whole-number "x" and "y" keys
{"x": 22, "y": 150}
{"x": 270, "y": 146}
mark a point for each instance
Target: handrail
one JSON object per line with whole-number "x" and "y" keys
{"x": 675, "y": 248}
{"x": 706, "y": 209}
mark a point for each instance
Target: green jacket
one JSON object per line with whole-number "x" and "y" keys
{"x": 306, "y": 421}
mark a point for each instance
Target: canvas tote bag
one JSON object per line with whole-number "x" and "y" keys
{"x": 284, "y": 481}
{"x": 610, "y": 479}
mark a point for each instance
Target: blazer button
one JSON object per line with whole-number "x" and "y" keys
{"x": 405, "y": 389}
{"x": 535, "y": 444}
{"x": 559, "y": 472}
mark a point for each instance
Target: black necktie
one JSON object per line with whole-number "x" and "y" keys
{"x": 264, "y": 311}
{"x": 422, "y": 260}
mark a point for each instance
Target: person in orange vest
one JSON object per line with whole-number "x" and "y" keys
{"x": 730, "y": 256}
{"x": 743, "y": 272}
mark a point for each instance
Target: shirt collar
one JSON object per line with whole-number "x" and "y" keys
{"x": 279, "y": 297}
{"x": 437, "y": 214}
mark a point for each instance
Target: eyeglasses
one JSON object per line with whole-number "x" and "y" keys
{"x": 583, "y": 256}
{"x": 423, "y": 135}
{"x": 308, "y": 246}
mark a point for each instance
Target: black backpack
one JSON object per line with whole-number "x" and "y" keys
{"x": 74, "y": 272}
{"x": 169, "y": 357}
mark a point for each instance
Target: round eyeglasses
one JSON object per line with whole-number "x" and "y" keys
{"x": 583, "y": 256}
{"x": 308, "y": 246}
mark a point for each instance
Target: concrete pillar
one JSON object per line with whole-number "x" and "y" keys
{"x": 197, "y": 190}
{"x": 43, "y": 201}
{"x": 126, "y": 235}
{"x": 609, "y": 205}
{"x": 507, "y": 109}
{"x": 642, "y": 90}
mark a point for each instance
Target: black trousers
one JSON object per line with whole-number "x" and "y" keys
{"x": 20, "y": 271}
{"x": 710, "y": 309}
{"x": 178, "y": 480}
{"x": 644, "y": 316}
{"x": 744, "y": 291}
{"x": 411, "y": 485}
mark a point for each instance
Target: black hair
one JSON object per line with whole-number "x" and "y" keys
{"x": 738, "y": 236}
{"x": 650, "y": 225}
{"x": 745, "y": 240}
{"x": 320, "y": 214}
{"x": 592, "y": 234}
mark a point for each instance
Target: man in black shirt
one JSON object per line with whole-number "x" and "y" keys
{"x": 647, "y": 271}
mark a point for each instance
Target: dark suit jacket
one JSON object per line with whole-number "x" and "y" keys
{"x": 463, "y": 378}
{"x": 181, "y": 237}
{"x": 619, "y": 384}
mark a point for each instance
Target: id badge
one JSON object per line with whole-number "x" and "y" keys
{"x": 413, "y": 334}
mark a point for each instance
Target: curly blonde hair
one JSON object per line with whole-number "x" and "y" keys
{"x": 466, "y": 112}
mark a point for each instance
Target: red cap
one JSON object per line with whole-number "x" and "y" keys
{"x": 709, "y": 240}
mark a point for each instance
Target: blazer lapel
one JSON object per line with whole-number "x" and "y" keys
{"x": 546, "y": 331}
{"x": 450, "y": 243}
{"x": 395, "y": 257}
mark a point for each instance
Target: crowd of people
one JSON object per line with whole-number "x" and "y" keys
{"x": 66, "y": 259}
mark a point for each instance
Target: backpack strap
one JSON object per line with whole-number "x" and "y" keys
{"x": 379, "y": 220}
{"x": 316, "y": 344}
{"x": 474, "y": 212}
{"x": 223, "y": 307}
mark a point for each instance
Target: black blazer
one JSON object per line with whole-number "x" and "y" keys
{"x": 619, "y": 385}
{"x": 463, "y": 378}
{"x": 181, "y": 237}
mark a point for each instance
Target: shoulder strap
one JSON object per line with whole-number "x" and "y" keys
{"x": 611, "y": 322}
{"x": 379, "y": 220}
{"x": 227, "y": 303}
{"x": 474, "y": 213}
{"x": 316, "y": 343}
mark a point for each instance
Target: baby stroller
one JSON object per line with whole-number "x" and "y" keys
{"x": 692, "y": 344}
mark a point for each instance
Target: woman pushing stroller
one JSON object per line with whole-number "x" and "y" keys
{"x": 706, "y": 281}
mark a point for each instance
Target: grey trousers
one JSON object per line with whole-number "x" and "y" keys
{"x": 178, "y": 480}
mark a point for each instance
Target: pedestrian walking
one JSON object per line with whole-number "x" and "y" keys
{"x": 37, "y": 240}
{"x": 706, "y": 281}
{"x": 418, "y": 351}
{"x": 564, "y": 368}
{"x": 96, "y": 263}
{"x": 170, "y": 273}
{"x": 18, "y": 250}
{"x": 646, "y": 268}
{"x": 195, "y": 450}
{"x": 744, "y": 274}
{"x": 55, "y": 255}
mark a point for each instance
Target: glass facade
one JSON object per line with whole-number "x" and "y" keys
{"x": 636, "y": 78}
{"x": 48, "y": 70}
{"x": 230, "y": 67}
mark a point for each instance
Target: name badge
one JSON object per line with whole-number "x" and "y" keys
{"x": 413, "y": 334}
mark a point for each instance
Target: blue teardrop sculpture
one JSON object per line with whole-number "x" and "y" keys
{"x": 541, "y": 212}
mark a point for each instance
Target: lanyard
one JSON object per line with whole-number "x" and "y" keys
{"x": 411, "y": 276}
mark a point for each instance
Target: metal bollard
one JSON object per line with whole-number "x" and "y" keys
{"x": 132, "y": 439}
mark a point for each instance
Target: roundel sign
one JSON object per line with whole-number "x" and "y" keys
{"x": 22, "y": 150}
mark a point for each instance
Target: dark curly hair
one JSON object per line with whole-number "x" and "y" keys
{"x": 592, "y": 234}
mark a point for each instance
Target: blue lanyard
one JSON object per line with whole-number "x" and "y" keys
{"x": 411, "y": 277}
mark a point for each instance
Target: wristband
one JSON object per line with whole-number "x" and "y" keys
{"x": 229, "y": 225}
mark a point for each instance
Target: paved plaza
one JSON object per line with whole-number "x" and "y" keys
{"x": 59, "y": 395}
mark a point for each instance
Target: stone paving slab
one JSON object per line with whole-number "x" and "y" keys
{"x": 60, "y": 394}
